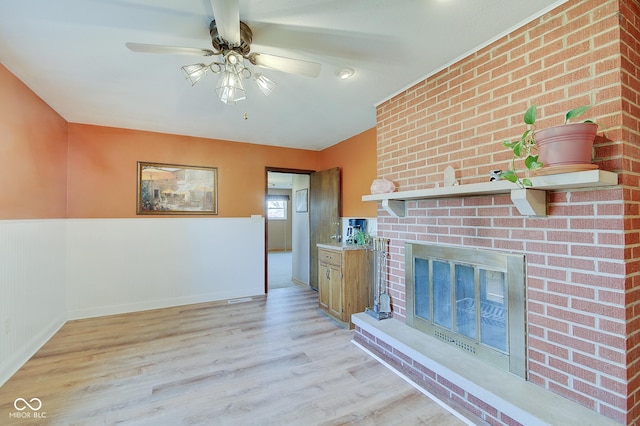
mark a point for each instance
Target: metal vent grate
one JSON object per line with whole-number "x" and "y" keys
{"x": 450, "y": 339}
{"x": 239, "y": 300}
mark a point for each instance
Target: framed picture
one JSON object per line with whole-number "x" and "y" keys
{"x": 302, "y": 200}
{"x": 176, "y": 189}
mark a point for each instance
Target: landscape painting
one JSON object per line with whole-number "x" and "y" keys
{"x": 176, "y": 189}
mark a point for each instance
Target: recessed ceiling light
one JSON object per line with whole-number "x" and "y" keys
{"x": 345, "y": 73}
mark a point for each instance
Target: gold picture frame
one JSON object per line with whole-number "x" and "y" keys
{"x": 176, "y": 189}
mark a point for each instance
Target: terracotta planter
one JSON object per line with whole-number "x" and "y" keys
{"x": 566, "y": 145}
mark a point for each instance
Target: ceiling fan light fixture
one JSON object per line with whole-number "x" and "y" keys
{"x": 265, "y": 84}
{"x": 346, "y": 73}
{"x": 230, "y": 89}
{"x": 195, "y": 72}
{"x": 234, "y": 61}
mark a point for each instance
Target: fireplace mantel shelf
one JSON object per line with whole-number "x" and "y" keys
{"x": 529, "y": 202}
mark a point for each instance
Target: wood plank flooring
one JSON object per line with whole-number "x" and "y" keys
{"x": 275, "y": 360}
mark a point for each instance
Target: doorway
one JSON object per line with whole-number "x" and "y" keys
{"x": 315, "y": 206}
{"x": 286, "y": 228}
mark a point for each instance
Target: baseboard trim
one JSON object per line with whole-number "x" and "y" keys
{"x": 20, "y": 358}
{"x": 100, "y": 311}
{"x": 298, "y": 282}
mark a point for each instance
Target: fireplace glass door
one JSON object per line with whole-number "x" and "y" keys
{"x": 476, "y": 293}
{"x": 463, "y": 298}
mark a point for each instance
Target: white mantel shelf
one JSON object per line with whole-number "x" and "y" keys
{"x": 530, "y": 202}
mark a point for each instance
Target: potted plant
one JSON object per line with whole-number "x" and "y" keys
{"x": 559, "y": 146}
{"x": 359, "y": 238}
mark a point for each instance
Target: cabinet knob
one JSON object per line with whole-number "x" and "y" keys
{"x": 328, "y": 274}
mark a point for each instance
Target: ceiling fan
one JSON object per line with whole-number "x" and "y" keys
{"x": 231, "y": 39}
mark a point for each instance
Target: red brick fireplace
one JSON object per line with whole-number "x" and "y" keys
{"x": 583, "y": 310}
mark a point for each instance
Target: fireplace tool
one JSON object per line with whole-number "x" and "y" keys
{"x": 381, "y": 302}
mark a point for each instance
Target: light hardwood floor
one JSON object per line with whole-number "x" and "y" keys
{"x": 274, "y": 360}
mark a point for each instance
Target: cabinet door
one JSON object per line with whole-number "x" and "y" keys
{"x": 324, "y": 277}
{"x": 335, "y": 292}
{"x": 324, "y": 212}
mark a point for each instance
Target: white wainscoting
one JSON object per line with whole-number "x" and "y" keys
{"x": 32, "y": 288}
{"x": 125, "y": 265}
{"x": 55, "y": 270}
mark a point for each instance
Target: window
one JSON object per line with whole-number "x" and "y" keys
{"x": 277, "y": 207}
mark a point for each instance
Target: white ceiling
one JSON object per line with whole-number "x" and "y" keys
{"x": 72, "y": 54}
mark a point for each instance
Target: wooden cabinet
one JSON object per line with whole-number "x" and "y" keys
{"x": 344, "y": 281}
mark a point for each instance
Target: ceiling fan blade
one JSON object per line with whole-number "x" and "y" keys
{"x": 227, "y": 16}
{"x": 172, "y": 50}
{"x": 289, "y": 65}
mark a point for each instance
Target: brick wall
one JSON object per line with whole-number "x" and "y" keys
{"x": 629, "y": 160}
{"x": 582, "y": 260}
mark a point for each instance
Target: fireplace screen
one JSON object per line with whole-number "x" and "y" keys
{"x": 470, "y": 298}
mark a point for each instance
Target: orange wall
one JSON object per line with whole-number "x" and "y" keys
{"x": 33, "y": 154}
{"x": 53, "y": 169}
{"x": 103, "y": 168}
{"x": 357, "y": 159}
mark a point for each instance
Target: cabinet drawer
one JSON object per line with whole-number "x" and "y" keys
{"x": 331, "y": 257}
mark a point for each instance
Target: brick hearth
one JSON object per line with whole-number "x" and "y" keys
{"x": 492, "y": 395}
